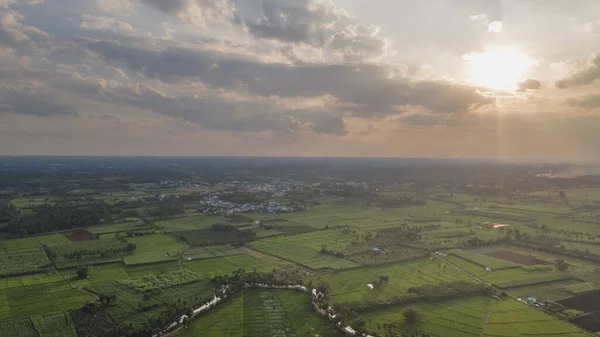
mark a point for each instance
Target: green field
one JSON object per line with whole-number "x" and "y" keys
{"x": 40, "y": 299}
{"x": 259, "y": 313}
{"x": 119, "y": 227}
{"x": 475, "y": 316}
{"x": 154, "y": 248}
{"x": 57, "y": 324}
{"x": 190, "y": 222}
{"x": 482, "y": 260}
{"x": 351, "y": 286}
{"x": 305, "y": 249}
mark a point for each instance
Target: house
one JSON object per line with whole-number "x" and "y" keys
{"x": 376, "y": 250}
{"x": 442, "y": 254}
{"x": 488, "y": 269}
{"x": 531, "y": 300}
{"x": 256, "y": 223}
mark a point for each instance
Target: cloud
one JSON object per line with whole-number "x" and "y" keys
{"x": 106, "y": 24}
{"x": 585, "y": 72}
{"x": 585, "y": 102}
{"x": 32, "y": 101}
{"x": 478, "y": 17}
{"x": 319, "y": 24}
{"x": 13, "y": 33}
{"x": 530, "y": 84}
{"x": 332, "y": 125}
{"x": 194, "y": 11}
{"x": 359, "y": 43}
{"x": 117, "y": 6}
{"x": 364, "y": 90}
{"x": 496, "y": 27}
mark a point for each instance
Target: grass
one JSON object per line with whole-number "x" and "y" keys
{"x": 545, "y": 292}
{"x": 209, "y": 268}
{"x": 482, "y": 260}
{"x": 149, "y": 269}
{"x": 305, "y": 249}
{"x": 351, "y": 286}
{"x": 21, "y": 327}
{"x": 118, "y": 228}
{"x": 57, "y": 324}
{"x": 190, "y": 222}
{"x": 154, "y": 248}
{"x": 97, "y": 274}
{"x": 258, "y": 313}
{"x": 39, "y": 299}
{"x": 223, "y": 250}
{"x": 506, "y": 278}
{"x": 582, "y": 287}
{"x": 475, "y": 316}
{"x": 27, "y": 280}
{"x": 160, "y": 281}
{"x": 195, "y": 253}
{"x": 20, "y": 246}
{"x": 52, "y": 239}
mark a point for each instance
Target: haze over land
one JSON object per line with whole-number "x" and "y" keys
{"x": 428, "y": 78}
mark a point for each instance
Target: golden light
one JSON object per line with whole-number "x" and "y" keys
{"x": 500, "y": 69}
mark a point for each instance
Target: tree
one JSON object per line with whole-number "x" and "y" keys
{"x": 412, "y": 316}
{"x": 561, "y": 264}
{"x": 83, "y": 273}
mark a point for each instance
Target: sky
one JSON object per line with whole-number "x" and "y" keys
{"x": 508, "y": 79}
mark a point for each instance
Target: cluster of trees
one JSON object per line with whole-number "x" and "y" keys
{"x": 8, "y": 212}
{"x": 61, "y": 216}
{"x": 331, "y": 252}
{"x": 79, "y": 254}
{"x": 402, "y": 233}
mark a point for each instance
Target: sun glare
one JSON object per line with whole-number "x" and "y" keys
{"x": 499, "y": 69}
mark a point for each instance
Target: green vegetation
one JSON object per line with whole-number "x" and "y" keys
{"x": 261, "y": 313}
{"x": 482, "y": 260}
{"x": 160, "y": 281}
{"x": 394, "y": 249}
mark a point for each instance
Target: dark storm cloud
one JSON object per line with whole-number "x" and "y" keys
{"x": 366, "y": 89}
{"x": 588, "y": 72}
{"x": 530, "y": 84}
{"x": 585, "y": 102}
{"x": 30, "y": 101}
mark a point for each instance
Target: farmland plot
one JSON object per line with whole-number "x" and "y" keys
{"x": 90, "y": 324}
{"x": 40, "y": 299}
{"x": 260, "y": 313}
{"x": 305, "y": 249}
{"x": 509, "y": 278}
{"x": 482, "y": 260}
{"x": 350, "y": 286}
{"x": 54, "y": 325}
{"x": 20, "y": 264}
{"x": 476, "y": 316}
{"x": 21, "y": 327}
{"x": 154, "y": 248}
{"x": 165, "y": 280}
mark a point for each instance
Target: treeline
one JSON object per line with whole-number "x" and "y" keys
{"x": 82, "y": 253}
{"x": 430, "y": 292}
{"x": 61, "y": 216}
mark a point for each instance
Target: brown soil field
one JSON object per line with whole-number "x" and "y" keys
{"x": 517, "y": 258}
{"x": 79, "y": 235}
{"x": 590, "y": 322}
{"x": 586, "y": 302}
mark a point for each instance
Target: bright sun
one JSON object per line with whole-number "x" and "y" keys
{"x": 499, "y": 69}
